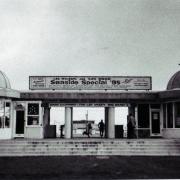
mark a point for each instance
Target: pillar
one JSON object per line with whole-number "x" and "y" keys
{"x": 68, "y": 122}
{"x": 106, "y": 122}
{"x": 131, "y": 109}
{"x": 46, "y": 119}
{"x": 110, "y": 122}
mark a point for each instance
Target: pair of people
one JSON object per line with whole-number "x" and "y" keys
{"x": 101, "y": 127}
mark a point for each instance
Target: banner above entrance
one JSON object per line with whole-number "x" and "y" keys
{"x": 90, "y": 83}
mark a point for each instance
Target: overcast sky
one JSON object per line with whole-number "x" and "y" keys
{"x": 89, "y": 37}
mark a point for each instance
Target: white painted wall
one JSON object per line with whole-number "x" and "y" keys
{"x": 34, "y": 132}
{"x": 6, "y": 133}
{"x": 171, "y": 133}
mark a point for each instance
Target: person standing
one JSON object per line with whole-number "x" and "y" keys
{"x": 101, "y": 127}
{"x": 131, "y": 126}
{"x": 89, "y": 129}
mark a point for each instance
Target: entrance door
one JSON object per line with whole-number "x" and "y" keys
{"x": 20, "y": 123}
{"x": 155, "y": 123}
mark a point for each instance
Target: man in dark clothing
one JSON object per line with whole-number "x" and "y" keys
{"x": 131, "y": 126}
{"x": 101, "y": 126}
{"x": 89, "y": 129}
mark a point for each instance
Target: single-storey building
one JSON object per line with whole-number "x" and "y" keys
{"x": 26, "y": 114}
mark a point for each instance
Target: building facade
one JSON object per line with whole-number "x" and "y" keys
{"x": 27, "y": 114}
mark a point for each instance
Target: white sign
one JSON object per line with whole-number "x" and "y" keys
{"x": 90, "y": 83}
{"x": 87, "y": 105}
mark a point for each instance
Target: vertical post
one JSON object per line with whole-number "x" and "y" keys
{"x": 131, "y": 109}
{"x": 46, "y": 118}
{"x": 111, "y": 122}
{"x": 106, "y": 121}
{"x": 68, "y": 122}
{"x": 173, "y": 112}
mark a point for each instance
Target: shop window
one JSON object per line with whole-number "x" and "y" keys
{"x": 177, "y": 115}
{"x": 143, "y": 116}
{"x": 164, "y": 115}
{"x": 4, "y": 114}
{"x": 169, "y": 115}
{"x": 33, "y": 114}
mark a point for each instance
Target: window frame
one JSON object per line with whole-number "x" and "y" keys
{"x": 39, "y": 114}
{"x": 4, "y": 101}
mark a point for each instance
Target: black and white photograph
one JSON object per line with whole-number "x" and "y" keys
{"x": 89, "y": 89}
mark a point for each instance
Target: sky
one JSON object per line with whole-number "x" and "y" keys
{"x": 89, "y": 37}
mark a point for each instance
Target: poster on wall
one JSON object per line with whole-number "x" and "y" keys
{"x": 90, "y": 83}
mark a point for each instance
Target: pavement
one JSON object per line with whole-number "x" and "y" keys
{"x": 90, "y": 167}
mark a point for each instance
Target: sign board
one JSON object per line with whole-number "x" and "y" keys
{"x": 87, "y": 105}
{"x": 90, "y": 83}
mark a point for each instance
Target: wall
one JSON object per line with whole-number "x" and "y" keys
{"x": 33, "y": 132}
{"x": 5, "y": 133}
{"x": 171, "y": 133}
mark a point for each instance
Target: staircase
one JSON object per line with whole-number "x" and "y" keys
{"x": 92, "y": 147}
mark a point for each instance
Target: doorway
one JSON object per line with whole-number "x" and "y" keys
{"x": 20, "y": 119}
{"x": 85, "y": 117}
{"x": 121, "y": 122}
{"x": 155, "y": 123}
{"x": 57, "y": 117}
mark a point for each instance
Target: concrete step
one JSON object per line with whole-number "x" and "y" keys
{"x": 56, "y": 147}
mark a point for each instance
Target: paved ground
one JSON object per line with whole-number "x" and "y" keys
{"x": 92, "y": 167}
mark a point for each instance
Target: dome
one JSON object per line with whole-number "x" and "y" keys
{"x": 174, "y": 82}
{"x": 4, "y": 81}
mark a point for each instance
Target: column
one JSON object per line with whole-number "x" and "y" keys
{"x": 110, "y": 122}
{"x": 106, "y": 121}
{"x": 68, "y": 122}
{"x": 46, "y": 119}
{"x": 131, "y": 109}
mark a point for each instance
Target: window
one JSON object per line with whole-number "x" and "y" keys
{"x": 164, "y": 115}
{"x": 177, "y": 115}
{"x": 33, "y": 114}
{"x": 4, "y": 114}
{"x": 143, "y": 116}
{"x": 169, "y": 115}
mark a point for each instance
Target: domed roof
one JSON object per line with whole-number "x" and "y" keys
{"x": 4, "y": 81}
{"x": 174, "y": 82}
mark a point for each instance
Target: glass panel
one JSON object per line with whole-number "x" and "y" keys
{"x": 33, "y": 114}
{"x": 33, "y": 109}
{"x": 2, "y": 124}
{"x": 164, "y": 115}
{"x": 4, "y": 114}
{"x": 33, "y": 120}
{"x": 169, "y": 115}
{"x": 7, "y": 115}
{"x": 143, "y": 116}
{"x": 177, "y": 115}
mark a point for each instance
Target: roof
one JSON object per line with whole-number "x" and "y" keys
{"x": 5, "y": 88}
{"x": 4, "y": 81}
{"x": 174, "y": 81}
